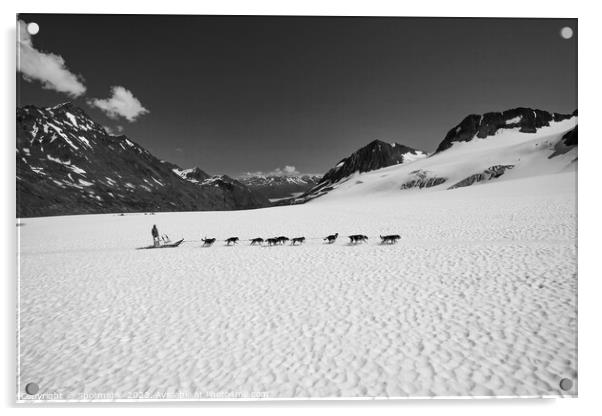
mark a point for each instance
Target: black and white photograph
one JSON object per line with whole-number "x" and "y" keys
{"x": 268, "y": 207}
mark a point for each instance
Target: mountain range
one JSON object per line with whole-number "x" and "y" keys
{"x": 481, "y": 149}
{"x": 276, "y": 187}
{"x": 69, "y": 164}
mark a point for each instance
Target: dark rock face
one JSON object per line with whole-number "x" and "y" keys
{"x": 570, "y": 138}
{"x": 566, "y": 144}
{"x": 491, "y": 172}
{"x": 375, "y": 155}
{"x": 280, "y": 186}
{"x": 422, "y": 179}
{"x": 488, "y": 124}
{"x": 68, "y": 164}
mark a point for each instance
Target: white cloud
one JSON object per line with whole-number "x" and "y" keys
{"x": 114, "y": 131}
{"x": 47, "y": 68}
{"x": 287, "y": 170}
{"x": 121, "y": 103}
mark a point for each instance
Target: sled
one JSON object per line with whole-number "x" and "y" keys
{"x": 170, "y": 245}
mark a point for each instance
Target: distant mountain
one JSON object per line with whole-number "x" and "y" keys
{"x": 375, "y": 155}
{"x": 234, "y": 191}
{"x": 277, "y": 187}
{"x": 525, "y": 120}
{"x": 69, "y": 164}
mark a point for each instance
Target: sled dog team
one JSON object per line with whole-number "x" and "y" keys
{"x": 275, "y": 241}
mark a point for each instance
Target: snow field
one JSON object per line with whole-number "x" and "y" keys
{"x": 478, "y": 298}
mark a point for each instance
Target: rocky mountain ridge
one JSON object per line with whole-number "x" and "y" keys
{"x": 69, "y": 164}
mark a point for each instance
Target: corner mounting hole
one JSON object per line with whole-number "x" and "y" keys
{"x": 566, "y": 384}
{"x": 33, "y": 28}
{"x": 566, "y": 32}
{"x": 32, "y": 388}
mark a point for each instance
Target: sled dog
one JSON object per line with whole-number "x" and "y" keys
{"x": 389, "y": 239}
{"x": 358, "y": 238}
{"x": 331, "y": 238}
{"x": 208, "y": 242}
{"x": 282, "y": 239}
{"x": 272, "y": 241}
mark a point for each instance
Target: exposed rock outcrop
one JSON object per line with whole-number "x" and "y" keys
{"x": 491, "y": 172}
{"x": 567, "y": 143}
{"x": 423, "y": 179}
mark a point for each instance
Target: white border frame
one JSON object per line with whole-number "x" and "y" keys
{"x": 588, "y": 211}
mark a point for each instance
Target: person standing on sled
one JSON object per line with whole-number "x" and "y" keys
{"x": 155, "y": 233}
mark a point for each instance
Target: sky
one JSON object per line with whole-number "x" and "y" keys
{"x": 236, "y": 94}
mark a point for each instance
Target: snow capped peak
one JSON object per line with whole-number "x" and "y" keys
{"x": 278, "y": 180}
{"x": 194, "y": 175}
{"x": 64, "y": 123}
{"x": 525, "y": 120}
{"x": 375, "y": 155}
{"x": 278, "y": 187}
{"x": 68, "y": 164}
